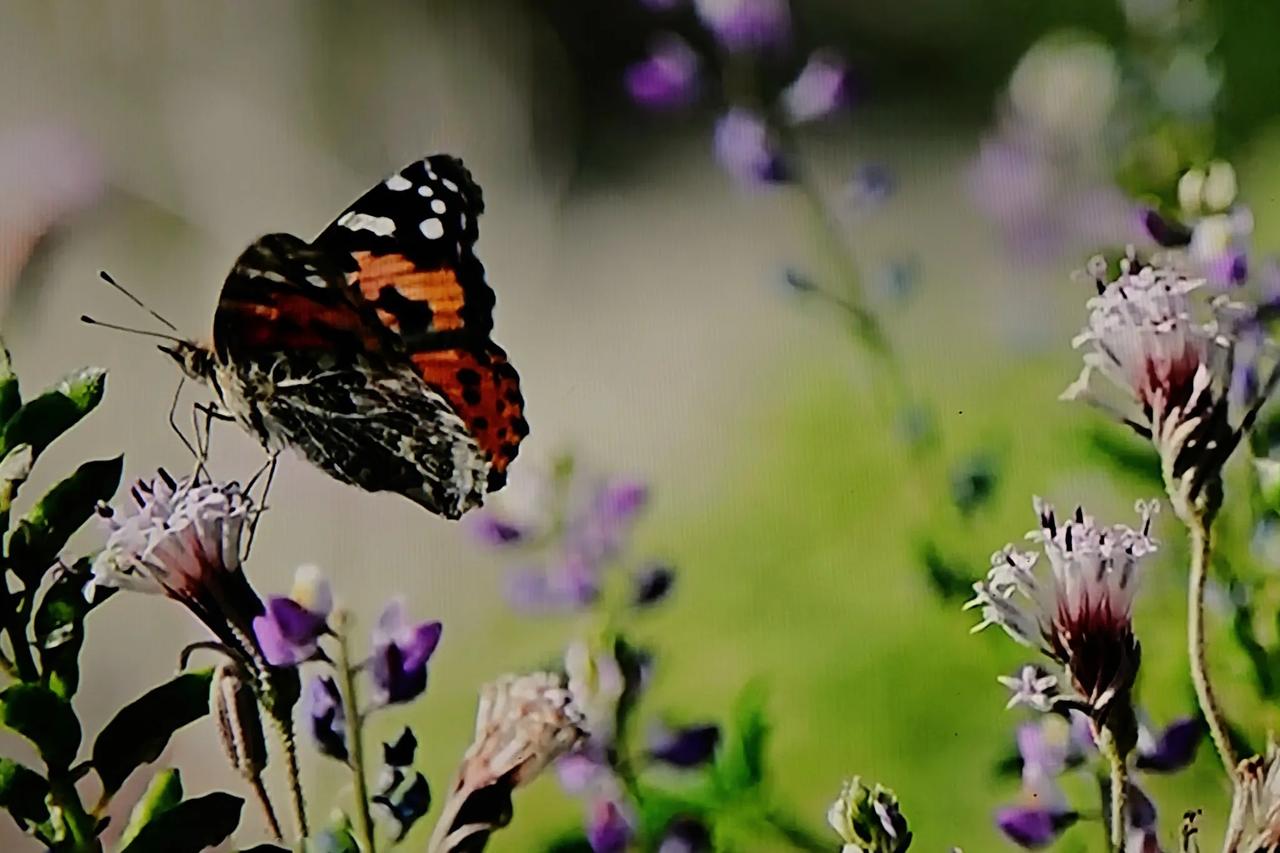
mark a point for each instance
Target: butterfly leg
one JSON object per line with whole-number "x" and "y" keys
{"x": 270, "y": 470}
{"x": 173, "y": 420}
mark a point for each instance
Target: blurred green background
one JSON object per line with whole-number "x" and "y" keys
{"x": 639, "y": 294}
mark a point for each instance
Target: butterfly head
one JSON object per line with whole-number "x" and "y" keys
{"x": 194, "y": 360}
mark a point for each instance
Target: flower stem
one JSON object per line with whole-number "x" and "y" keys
{"x": 1119, "y": 788}
{"x": 284, "y": 728}
{"x": 355, "y": 736}
{"x": 1201, "y": 549}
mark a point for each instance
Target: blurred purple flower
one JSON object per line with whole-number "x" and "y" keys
{"x": 1033, "y": 826}
{"x": 608, "y": 830}
{"x": 1043, "y": 756}
{"x": 290, "y": 630}
{"x": 571, "y": 584}
{"x": 685, "y": 835}
{"x": 400, "y": 655}
{"x": 689, "y": 746}
{"x": 1142, "y": 812}
{"x": 325, "y": 717}
{"x": 746, "y": 151}
{"x": 403, "y": 803}
{"x": 492, "y": 529}
{"x": 653, "y": 584}
{"x": 667, "y": 77}
{"x": 871, "y": 185}
{"x": 822, "y": 87}
{"x": 1165, "y": 232}
{"x": 746, "y": 25}
{"x": 1172, "y": 749}
{"x": 584, "y": 770}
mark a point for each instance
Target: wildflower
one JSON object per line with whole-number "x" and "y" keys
{"x": 1032, "y": 826}
{"x": 584, "y": 769}
{"x": 868, "y": 820}
{"x": 399, "y": 753}
{"x": 1032, "y": 687}
{"x": 289, "y": 632}
{"x": 1081, "y": 615}
{"x": 403, "y": 800}
{"x": 689, "y": 746}
{"x": 1171, "y": 749}
{"x": 235, "y": 709}
{"x": 1175, "y": 373}
{"x": 400, "y": 655}
{"x": 1255, "y": 809}
{"x": 746, "y": 150}
{"x": 325, "y": 717}
{"x": 608, "y": 829}
{"x": 183, "y": 540}
{"x": 746, "y": 25}
{"x": 822, "y": 87}
{"x": 652, "y": 584}
{"x": 667, "y": 77}
{"x": 871, "y": 186}
{"x": 685, "y": 835}
{"x": 596, "y": 682}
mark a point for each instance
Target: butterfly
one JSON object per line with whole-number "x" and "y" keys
{"x": 368, "y": 349}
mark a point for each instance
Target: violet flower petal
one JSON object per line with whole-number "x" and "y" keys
{"x": 686, "y": 747}
{"x": 746, "y": 151}
{"x": 666, "y": 78}
{"x": 608, "y": 830}
{"x": 1175, "y": 748}
{"x": 1031, "y": 827}
{"x": 325, "y": 717}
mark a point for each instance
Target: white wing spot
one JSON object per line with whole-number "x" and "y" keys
{"x": 432, "y": 228}
{"x": 439, "y": 206}
{"x": 425, "y": 191}
{"x": 450, "y": 185}
{"x": 381, "y": 225}
{"x": 430, "y": 174}
{"x": 398, "y": 183}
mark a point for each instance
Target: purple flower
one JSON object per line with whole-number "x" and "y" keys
{"x": 746, "y": 25}
{"x": 1142, "y": 812}
{"x": 871, "y": 185}
{"x": 689, "y": 746}
{"x": 491, "y": 529}
{"x": 1173, "y": 749}
{"x": 290, "y": 631}
{"x": 404, "y": 803}
{"x": 667, "y": 77}
{"x": 399, "y": 753}
{"x": 571, "y": 584}
{"x": 1165, "y": 232}
{"x": 821, "y": 88}
{"x": 400, "y": 655}
{"x": 583, "y": 770}
{"x": 325, "y": 717}
{"x": 608, "y": 830}
{"x": 685, "y": 835}
{"x": 746, "y": 150}
{"x": 1032, "y": 826}
{"x": 653, "y": 584}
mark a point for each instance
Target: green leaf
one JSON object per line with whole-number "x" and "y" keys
{"x": 10, "y": 397}
{"x": 190, "y": 826}
{"x": 44, "y": 530}
{"x": 55, "y": 411}
{"x": 44, "y": 718}
{"x": 164, "y": 792}
{"x": 141, "y": 730}
{"x": 739, "y": 764}
{"x": 22, "y": 793}
{"x": 59, "y": 629}
{"x": 15, "y": 467}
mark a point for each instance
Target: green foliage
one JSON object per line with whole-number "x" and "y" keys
{"x": 22, "y": 793}
{"x": 740, "y": 763}
{"x": 140, "y": 731}
{"x": 57, "y": 410}
{"x": 44, "y": 718}
{"x": 164, "y": 792}
{"x": 59, "y": 631}
{"x": 190, "y": 826}
{"x": 41, "y": 534}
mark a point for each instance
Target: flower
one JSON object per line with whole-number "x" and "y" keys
{"x": 403, "y": 800}
{"x": 1032, "y": 826}
{"x": 868, "y": 820}
{"x": 597, "y": 682}
{"x": 1174, "y": 372}
{"x": 1032, "y": 687}
{"x": 1255, "y": 808}
{"x": 400, "y": 655}
{"x": 325, "y": 717}
{"x": 746, "y": 150}
{"x": 290, "y": 630}
{"x": 685, "y": 835}
{"x": 870, "y": 186}
{"x": 689, "y": 746}
{"x": 1081, "y": 615}
{"x": 1171, "y": 749}
{"x": 652, "y": 584}
{"x": 746, "y": 25}
{"x": 182, "y": 539}
{"x": 820, "y": 89}
{"x": 667, "y": 77}
{"x": 399, "y": 753}
{"x": 608, "y": 830}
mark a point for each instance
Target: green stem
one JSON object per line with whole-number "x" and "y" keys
{"x": 81, "y": 827}
{"x": 355, "y": 737}
{"x": 1119, "y": 773}
{"x": 796, "y": 835}
{"x": 284, "y": 728}
{"x": 1201, "y": 550}
{"x": 16, "y": 627}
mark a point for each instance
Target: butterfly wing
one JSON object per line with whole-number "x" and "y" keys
{"x": 407, "y": 249}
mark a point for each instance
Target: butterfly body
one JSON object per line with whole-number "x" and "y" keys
{"x": 367, "y": 350}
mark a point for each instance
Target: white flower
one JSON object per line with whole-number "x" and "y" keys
{"x": 1031, "y": 687}
{"x": 1080, "y": 615}
{"x": 523, "y": 723}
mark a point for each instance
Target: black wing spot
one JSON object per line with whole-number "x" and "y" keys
{"x": 520, "y": 427}
{"x": 468, "y": 377}
{"x": 471, "y": 395}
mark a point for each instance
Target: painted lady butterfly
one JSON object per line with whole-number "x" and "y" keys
{"x": 367, "y": 350}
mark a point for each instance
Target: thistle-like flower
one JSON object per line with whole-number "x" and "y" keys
{"x": 1081, "y": 615}
{"x": 1255, "y": 810}
{"x": 183, "y": 540}
{"x": 868, "y": 820}
{"x": 1174, "y": 370}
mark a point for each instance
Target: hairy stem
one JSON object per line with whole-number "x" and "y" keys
{"x": 285, "y": 730}
{"x": 355, "y": 735}
{"x": 1119, "y": 788}
{"x": 441, "y": 835}
{"x": 1201, "y": 550}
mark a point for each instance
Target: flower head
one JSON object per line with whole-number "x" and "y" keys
{"x": 1032, "y": 687}
{"x": 1034, "y": 826}
{"x": 1255, "y": 810}
{"x": 686, "y": 746}
{"x": 746, "y": 25}
{"x": 290, "y": 631}
{"x": 868, "y": 820}
{"x": 1171, "y": 749}
{"x": 325, "y": 717}
{"x": 1173, "y": 372}
{"x": 667, "y": 77}
{"x": 822, "y": 87}
{"x": 183, "y": 540}
{"x": 1081, "y": 614}
{"x": 746, "y": 149}
{"x": 597, "y": 682}
{"x": 401, "y": 652}
{"x": 608, "y": 829}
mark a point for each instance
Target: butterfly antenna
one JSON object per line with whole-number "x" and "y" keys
{"x": 106, "y": 276}
{"x": 90, "y": 321}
